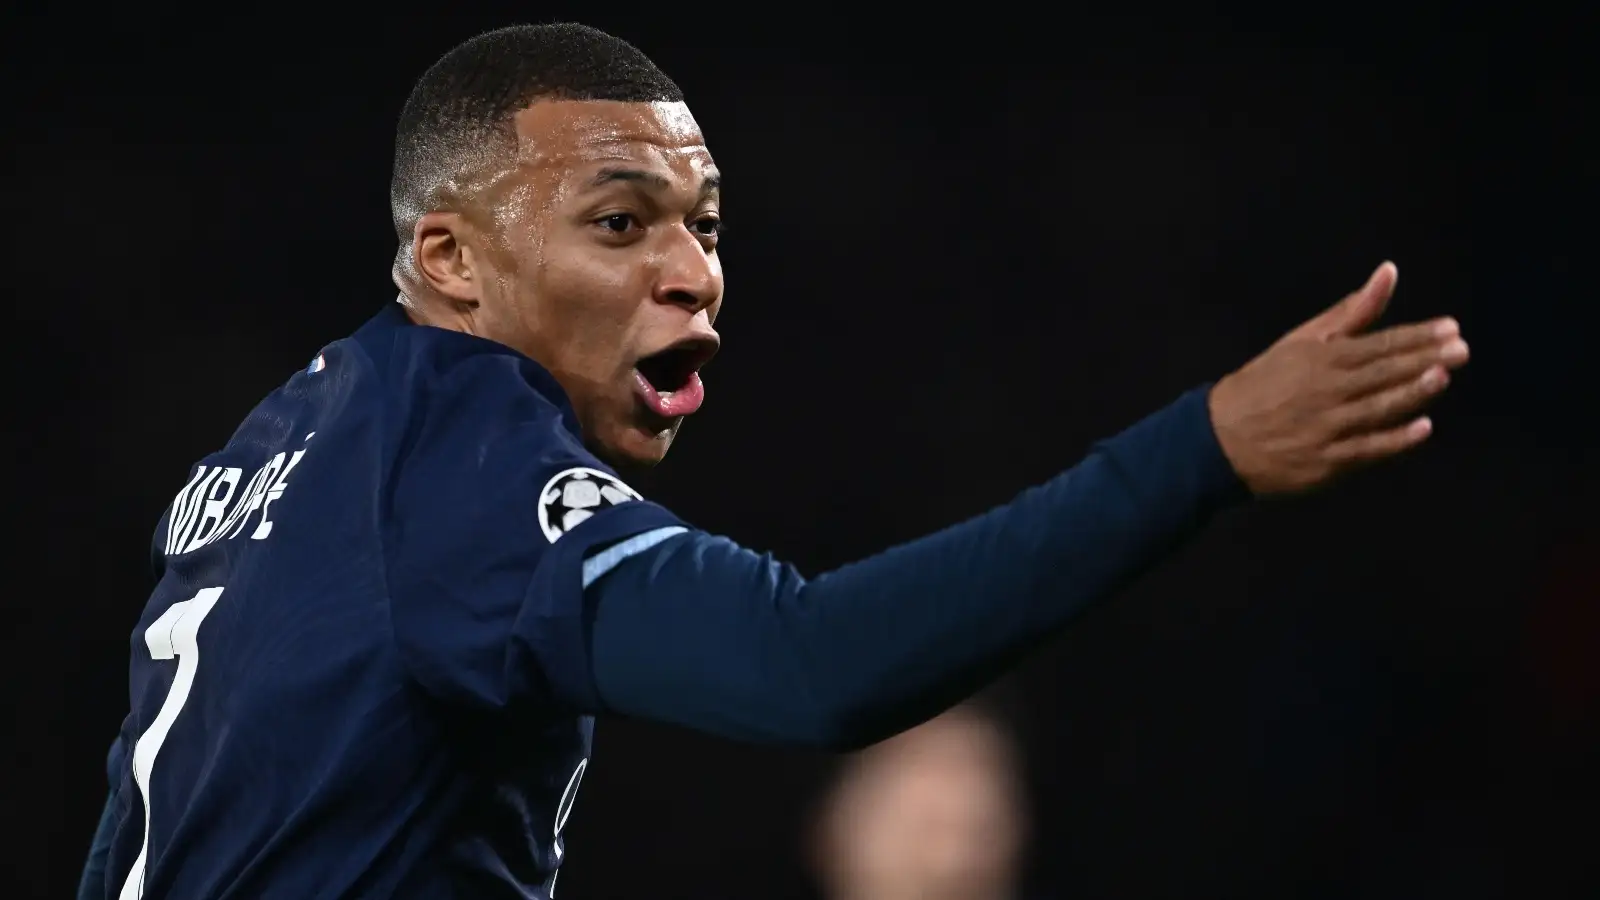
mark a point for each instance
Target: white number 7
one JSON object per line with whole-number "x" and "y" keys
{"x": 174, "y": 634}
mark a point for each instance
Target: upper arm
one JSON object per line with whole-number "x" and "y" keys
{"x": 493, "y": 508}
{"x": 701, "y": 633}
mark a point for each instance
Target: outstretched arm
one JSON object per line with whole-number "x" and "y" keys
{"x": 698, "y": 632}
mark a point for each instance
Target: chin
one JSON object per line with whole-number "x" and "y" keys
{"x": 636, "y": 446}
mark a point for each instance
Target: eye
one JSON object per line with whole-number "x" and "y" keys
{"x": 707, "y": 226}
{"x": 618, "y": 223}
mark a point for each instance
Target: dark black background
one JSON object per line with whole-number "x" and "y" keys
{"x": 961, "y": 248}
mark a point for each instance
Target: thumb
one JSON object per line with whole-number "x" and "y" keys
{"x": 1356, "y": 312}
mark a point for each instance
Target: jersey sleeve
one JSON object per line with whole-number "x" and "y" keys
{"x": 494, "y": 506}
{"x": 701, "y": 633}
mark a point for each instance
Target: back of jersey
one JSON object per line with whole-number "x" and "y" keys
{"x": 363, "y": 672}
{"x": 264, "y": 694}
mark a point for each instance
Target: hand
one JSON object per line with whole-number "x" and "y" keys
{"x": 1328, "y": 398}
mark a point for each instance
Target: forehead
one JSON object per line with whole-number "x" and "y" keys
{"x": 563, "y": 138}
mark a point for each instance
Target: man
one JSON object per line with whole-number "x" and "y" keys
{"x": 388, "y": 608}
{"x": 935, "y": 813}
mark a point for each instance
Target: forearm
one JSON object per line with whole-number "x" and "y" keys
{"x": 701, "y": 633}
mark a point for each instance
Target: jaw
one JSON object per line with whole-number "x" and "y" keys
{"x": 635, "y": 444}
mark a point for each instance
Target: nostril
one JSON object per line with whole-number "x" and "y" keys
{"x": 685, "y": 299}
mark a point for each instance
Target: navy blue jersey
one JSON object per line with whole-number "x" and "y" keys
{"x": 362, "y": 671}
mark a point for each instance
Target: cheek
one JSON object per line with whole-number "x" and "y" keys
{"x": 585, "y": 309}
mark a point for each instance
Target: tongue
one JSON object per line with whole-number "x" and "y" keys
{"x": 671, "y": 404}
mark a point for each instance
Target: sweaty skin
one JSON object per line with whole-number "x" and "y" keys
{"x": 590, "y": 248}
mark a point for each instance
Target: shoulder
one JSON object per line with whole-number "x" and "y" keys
{"x": 472, "y": 385}
{"x": 472, "y": 418}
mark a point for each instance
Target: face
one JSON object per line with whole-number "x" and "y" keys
{"x": 930, "y": 815}
{"x": 594, "y": 253}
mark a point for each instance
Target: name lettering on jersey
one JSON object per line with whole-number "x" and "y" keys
{"x": 212, "y": 507}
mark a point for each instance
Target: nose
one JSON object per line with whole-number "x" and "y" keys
{"x": 689, "y": 277}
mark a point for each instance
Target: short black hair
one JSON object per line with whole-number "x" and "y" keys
{"x": 462, "y": 106}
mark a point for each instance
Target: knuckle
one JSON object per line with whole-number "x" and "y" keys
{"x": 1418, "y": 362}
{"x": 1415, "y": 335}
{"x": 1350, "y": 356}
{"x": 1327, "y": 355}
{"x": 1393, "y": 369}
{"x": 1369, "y": 447}
{"x": 1330, "y": 425}
{"x": 1373, "y": 375}
{"x": 1344, "y": 421}
{"x": 1399, "y": 399}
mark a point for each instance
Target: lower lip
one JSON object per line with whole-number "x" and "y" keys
{"x": 682, "y": 402}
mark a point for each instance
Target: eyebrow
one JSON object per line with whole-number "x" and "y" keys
{"x": 711, "y": 184}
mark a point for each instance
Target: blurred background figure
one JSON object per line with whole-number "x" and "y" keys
{"x": 936, "y": 813}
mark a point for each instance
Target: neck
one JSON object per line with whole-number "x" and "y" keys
{"x": 423, "y": 308}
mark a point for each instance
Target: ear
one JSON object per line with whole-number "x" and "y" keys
{"x": 442, "y": 251}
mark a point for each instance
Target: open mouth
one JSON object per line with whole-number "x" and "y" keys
{"x": 671, "y": 369}
{"x": 668, "y": 382}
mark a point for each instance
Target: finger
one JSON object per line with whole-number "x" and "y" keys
{"x": 1360, "y": 350}
{"x": 1362, "y": 308}
{"x": 1357, "y": 311}
{"x": 1398, "y": 369}
{"x": 1376, "y": 445}
{"x": 1384, "y": 408}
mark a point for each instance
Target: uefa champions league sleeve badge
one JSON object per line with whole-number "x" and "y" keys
{"x": 575, "y": 495}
